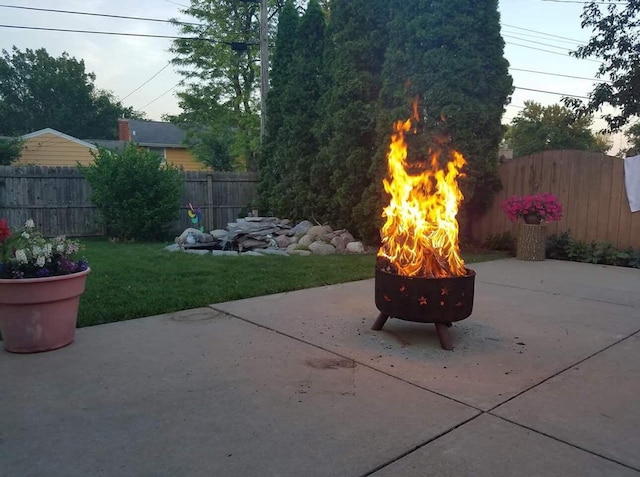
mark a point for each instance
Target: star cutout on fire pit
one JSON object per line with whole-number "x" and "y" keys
{"x": 423, "y": 301}
{"x": 403, "y": 289}
{"x": 445, "y": 291}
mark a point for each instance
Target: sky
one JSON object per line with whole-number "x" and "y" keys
{"x": 538, "y": 36}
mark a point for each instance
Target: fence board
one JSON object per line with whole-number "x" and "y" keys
{"x": 58, "y": 199}
{"x": 590, "y": 187}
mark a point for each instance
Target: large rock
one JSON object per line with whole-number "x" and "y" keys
{"x": 302, "y": 228}
{"x": 219, "y": 234}
{"x": 321, "y": 248}
{"x": 283, "y": 241}
{"x": 306, "y": 240}
{"x": 340, "y": 241}
{"x": 320, "y": 231}
{"x": 303, "y": 253}
{"x": 196, "y": 234}
{"x": 355, "y": 247}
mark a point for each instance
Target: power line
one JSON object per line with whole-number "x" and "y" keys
{"x": 535, "y": 42}
{"x": 539, "y": 36}
{"x": 558, "y": 74}
{"x": 155, "y": 74}
{"x": 158, "y": 97}
{"x": 585, "y": 3}
{"x": 176, "y": 3}
{"x": 552, "y": 52}
{"x": 72, "y": 12}
{"x": 541, "y": 32}
{"x": 551, "y": 92}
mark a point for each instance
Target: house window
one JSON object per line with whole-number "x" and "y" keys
{"x": 161, "y": 151}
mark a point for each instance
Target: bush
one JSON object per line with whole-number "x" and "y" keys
{"x": 505, "y": 242}
{"x": 10, "y": 150}
{"x": 136, "y": 195}
{"x": 564, "y": 247}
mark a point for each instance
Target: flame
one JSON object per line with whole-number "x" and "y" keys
{"x": 420, "y": 236}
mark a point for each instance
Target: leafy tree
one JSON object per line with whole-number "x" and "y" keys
{"x": 136, "y": 196}
{"x": 39, "y": 91}
{"x": 449, "y": 54}
{"x": 633, "y": 136}
{"x": 294, "y": 154}
{"x": 615, "y": 40}
{"x": 541, "y": 128}
{"x": 10, "y": 150}
{"x": 220, "y": 60}
{"x": 357, "y": 40}
{"x": 271, "y": 171}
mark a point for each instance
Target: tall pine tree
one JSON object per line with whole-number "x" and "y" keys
{"x": 271, "y": 171}
{"x": 449, "y": 55}
{"x": 295, "y": 147}
{"x": 357, "y": 39}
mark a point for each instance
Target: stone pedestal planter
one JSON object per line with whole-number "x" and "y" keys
{"x": 532, "y": 241}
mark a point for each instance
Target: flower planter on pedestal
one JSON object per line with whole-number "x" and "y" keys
{"x": 40, "y": 314}
{"x": 532, "y": 241}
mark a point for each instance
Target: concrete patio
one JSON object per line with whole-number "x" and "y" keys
{"x": 544, "y": 381}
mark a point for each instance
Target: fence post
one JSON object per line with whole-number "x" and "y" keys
{"x": 210, "y": 222}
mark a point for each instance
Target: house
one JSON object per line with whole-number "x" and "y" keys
{"x": 163, "y": 138}
{"x": 48, "y": 147}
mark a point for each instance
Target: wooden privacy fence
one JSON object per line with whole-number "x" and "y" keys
{"x": 58, "y": 199}
{"x": 590, "y": 186}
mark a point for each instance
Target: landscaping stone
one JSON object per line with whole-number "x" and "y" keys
{"x": 272, "y": 251}
{"x": 355, "y": 247}
{"x": 219, "y": 233}
{"x": 306, "y": 240}
{"x": 197, "y": 252}
{"x": 301, "y": 252}
{"x": 340, "y": 241}
{"x": 283, "y": 241}
{"x": 174, "y": 247}
{"x": 321, "y": 248}
{"x": 302, "y": 228}
{"x": 218, "y": 253}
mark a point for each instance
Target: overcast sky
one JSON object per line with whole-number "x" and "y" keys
{"x": 122, "y": 64}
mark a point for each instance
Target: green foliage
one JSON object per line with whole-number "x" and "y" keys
{"x": 273, "y": 167}
{"x": 450, "y": 56}
{"x": 541, "y": 128}
{"x": 349, "y": 110}
{"x": 633, "y": 136}
{"x": 10, "y": 150}
{"x": 505, "y": 242}
{"x": 614, "y": 40}
{"x": 221, "y": 98}
{"x": 136, "y": 196}
{"x": 39, "y": 91}
{"x": 292, "y": 146}
{"x": 564, "y": 247}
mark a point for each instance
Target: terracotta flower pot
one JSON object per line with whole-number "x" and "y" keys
{"x": 39, "y": 314}
{"x": 532, "y": 219}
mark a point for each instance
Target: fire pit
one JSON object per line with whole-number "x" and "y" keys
{"x": 420, "y": 275}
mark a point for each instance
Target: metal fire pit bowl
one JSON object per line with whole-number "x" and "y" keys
{"x": 426, "y": 300}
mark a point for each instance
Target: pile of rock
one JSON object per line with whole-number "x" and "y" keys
{"x": 269, "y": 236}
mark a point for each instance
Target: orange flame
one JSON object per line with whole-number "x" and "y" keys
{"x": 420, "y": 236}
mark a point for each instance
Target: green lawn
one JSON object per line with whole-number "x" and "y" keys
{"x": 131, "y": 280}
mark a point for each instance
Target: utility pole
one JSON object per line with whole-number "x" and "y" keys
{"x": 264, "y": 67}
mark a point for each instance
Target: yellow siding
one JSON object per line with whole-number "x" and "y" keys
{"x": 182, "y": 157}
{"x": 51, "y": 150}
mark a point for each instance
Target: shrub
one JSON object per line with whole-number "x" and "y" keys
{"x": 10, "y": 150}
{"x": 505, "y": 242}
{"x": 136, "y": 195}
{"x": 564, "y": 247}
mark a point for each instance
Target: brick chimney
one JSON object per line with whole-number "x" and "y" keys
{"x": 124, "y": 134}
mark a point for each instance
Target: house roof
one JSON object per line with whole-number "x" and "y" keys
{"x": 58, "y": 134}
{"x": 113, "y": 144}
{"x": 156, "y": 133}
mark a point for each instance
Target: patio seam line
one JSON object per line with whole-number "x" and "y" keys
{"x": 557, "y": 439}
{"x": 419, "y": 446}
{"x": 349, "y": 358}
{"x": 557, "y": 294}
{"x": 489, "y": 411}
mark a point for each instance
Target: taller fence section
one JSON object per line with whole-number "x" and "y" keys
{"x": 590, "y": 186}
{"x": 58, "y": 199}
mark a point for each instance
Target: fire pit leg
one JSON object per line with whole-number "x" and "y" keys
{"x": 444, "y": 336}
{"x": 380, "y": 321}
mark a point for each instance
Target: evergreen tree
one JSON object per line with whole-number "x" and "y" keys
{"x": 271, "y": 172}
{"x": 295, "y": 148}
{"x": 357, "y": 39}
{"x": 449, "y": 55}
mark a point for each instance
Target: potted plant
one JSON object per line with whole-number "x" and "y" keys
{"x": 41, "y": 281}
{"x": 536, "y": 211}
{"x": 533, "y": 208}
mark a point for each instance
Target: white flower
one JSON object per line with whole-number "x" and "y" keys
{"x": 21, "y": 256}
{"x": 48, "y": 249}
{"x": 60, "y": 248}
{"x": 40, "y": 261}
{"x": 25, "y": 235}
{"x": 29, "y": 224}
